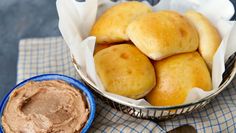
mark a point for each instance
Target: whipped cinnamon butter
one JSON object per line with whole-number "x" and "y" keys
{"x": 46, "y": 106}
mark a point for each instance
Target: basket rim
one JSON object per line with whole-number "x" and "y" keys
{"x": 91, "y": 85}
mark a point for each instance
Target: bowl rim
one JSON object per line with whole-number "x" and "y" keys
{"x": 75, "y": 83}
{"x": 95, "y": 88}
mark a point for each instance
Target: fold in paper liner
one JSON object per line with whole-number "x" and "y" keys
{"x": 77, "y": 18}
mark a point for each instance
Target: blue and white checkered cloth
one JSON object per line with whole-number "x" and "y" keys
{"x": 51, "y": 55}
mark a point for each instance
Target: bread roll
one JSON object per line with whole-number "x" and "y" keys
{"x": 176, "y": 76}
{"x": 125, "y": 71}
{"x": 209, "y": 36}
{"x": 162, "y": 34}
{"x": 110, "y": 26}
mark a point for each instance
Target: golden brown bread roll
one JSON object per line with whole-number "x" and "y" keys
{"x": 162, "y": 34}
{"x": 111, "y": 26}
{"x": 209, "y": 36}
{"x": 124, "y": 70}
{"x": 176, "y": 76}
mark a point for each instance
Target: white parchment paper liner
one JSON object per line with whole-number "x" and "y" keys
{"x": 77, "y": 18}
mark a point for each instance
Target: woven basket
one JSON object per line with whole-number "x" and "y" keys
{"x": 160, "y": 113}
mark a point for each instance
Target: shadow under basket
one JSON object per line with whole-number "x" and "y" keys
{"x": 158, "y": 113}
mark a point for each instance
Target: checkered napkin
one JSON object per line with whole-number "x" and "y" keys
{"x": 51, "y": 55}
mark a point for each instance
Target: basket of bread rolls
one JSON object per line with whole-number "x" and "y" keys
{"x": 158, "y": 56}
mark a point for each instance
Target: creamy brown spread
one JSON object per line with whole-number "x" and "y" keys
{"x": 45, "y": 107}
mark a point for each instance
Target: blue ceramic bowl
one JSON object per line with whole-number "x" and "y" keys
{"x": 75, "y": 83}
